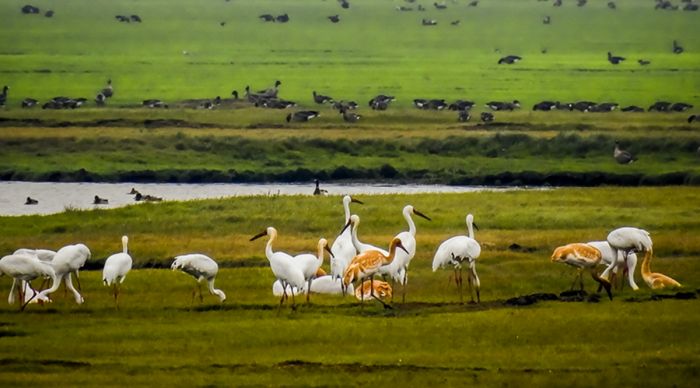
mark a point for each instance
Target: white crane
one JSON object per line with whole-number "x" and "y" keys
{"x": 627, "y": 239}
{"x": 24, "y": 268}
{"x": 608, "y": 257}
{"x": 282, "y": 267}
{"x": 361, "y": 247}
{"x": 325, "y": 284}
{"x": 398, "y": 268}
{"x": 309, "y": 264}
{"x": 457, "y": 250}
{"x": 45, "y": 255}
{"x": 201, "y": 267}
{"x": 115, "y": 269}
{"x": 343, "y": 250}
{"x": 67, "y": 260}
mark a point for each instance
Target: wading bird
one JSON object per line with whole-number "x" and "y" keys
{"x": 367, "y": 264}
{"x": 457, "y": 250}
{"x": 282, "y": 267}
{"x": 342, "y": 248}
{"x": 655, "y": 280}
{"x": 68, "y": 260}
{"x": 25, "y": 268}
{"x": 379, "y": 288}
{"x": 581, "y": 256}
{"x": 201, "y": 267}
{"x": 627, "y": 239}
{"x": 309, "y": 264}
{"x": 398, "y": 268}
{"x": 115, "y": 269}
{"x": 627, "y": 266}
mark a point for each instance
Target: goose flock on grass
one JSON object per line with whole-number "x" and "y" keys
{"x": 353, "y": 264}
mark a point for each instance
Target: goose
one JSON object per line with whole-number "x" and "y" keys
{"x": 564, "y": 106}
{"x": 267, "y": 17}
{"x": 680, "y": 107}
{"x": 350, "y": 117}
{"x": 691, "y": 7}
{"x": 429, "y": 22}
{"x": 3, "y": 95}
{"x": 473, "y": 3}
{"x": 108, "y": 91}
{"x": 153, "y": 103}
{"x": 135, "y": 18}
{"x": 321, "y": 99}
{"x": 461, "y": 105}
{"x": 605, "y": 107}
{"x": 276, "y": 104}
{"x": 545, "y": 106}
{"x": 100, "y": 99}
{"x": 252, "y": 97}
{"x": 622, "y": 156}
{"x": 30, "y": 9}
{"x": 463, "y": 116}
{"x": 381, "y": 102}
{"x": 420, "y": 103}
{"x": 318, "y": 190}
{"x": 29, "y": 103}
{"x": 334, "y": 18}
{"x": 583, "y": 106}
{"x": 509, "y": 60}
{"x": 546, "y": 20}
{"x": 100, "y": 201}
{"x": 272, "y": 91}
{"x": 557, "y": 3}
{"x": 632, "y": 108}
{"x": 486, "y": 117}
{"x": 644, "y": 62}
{"x": 350, "y": 105}
{"x": 612, "y": 5}
{"x": 692, "y": 118}
{"x": 581, "y": 3}
{"x": 660, "y": 106}
{"x": 302, "y": 116}
{"x": 283, "y": 18}
{"x": 614, "y": 59}
{"x": 344, "y": 4}
{"x": 497, "y": 105}
{"x": 440, "y": 5}
{"x": 31, "y": 201}
{"x": 677, "y": 49}
{"x": 403, "y": 8}
{"x": 455, "y": 22}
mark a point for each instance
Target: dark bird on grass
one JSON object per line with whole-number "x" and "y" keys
{"x": 660, "y": 106}
{"x": 334, "y": 18}
{"x": 622, "y": 156}
{"x": 487, "y": 117}
{"x": 461, "y": 105}
{"x": 100, "y": 201}
{"x": 473, "y": 3}
{"x": 615, "y": 60}
{"x": 252, "y": 97}
{"x": 31, "y": 201}
{"x": 267, "y": 17}
{"x": 108, "y": 90}
{"x": 318, "y": 190}
{"x": 154, "y": 103}
{"x": 440, "y": 5}
{"x": 692, "y": 118}
{"x": 222, "y": 24}
{"x": 644, "y": 62}
{"x": 509, "y": 60}
{"x": 421, "y": 7}
{"x": 545, "y": 106}
{"x": 49, "y": 13}
{"x": 463, "y": 116}
{"x": 29, "y": 9}
{"x": 135, "y": 18}
{"x": 429, "y": 22}
{"x": 3, "y": 95}
{"x": 272, "y": 91}
{"x": 122, "y": 18}
{"x": 498, "y": 105}
{"x": 557, "y": 3}
{"x": 581, "y": 3}
{"x": 234, "y": 94}
{"x": 350, "y": 117}
{"x": 321, "y": 99}
{"x": 275, "y": 103}
{"x": 455, "y": 22}
{"x": 583, "y": 106}
{"x": 677, "y": 49}
{"x": 29, "y": 103}
{"x": 680, "y": 107}
{"x": 284, "y": 18}
{"x": 564, "y": 106}
{"x": 612, "y": 5}
{"x": 632, "y": 108}
{"x": 381, "y": 102}
{"x": 691, "y": 7}
{"x": 605, "y": 107}
{"x": 100, "y": 99}
{"x": 344, "y": 3}
{"x": 546, "y": 20}
{"x": 302, "y": 116}
{"x": 350, "y": 105}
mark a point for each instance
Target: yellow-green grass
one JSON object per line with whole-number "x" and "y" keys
{"x": 160, "y": 336}
{"x": 374, "y": 49}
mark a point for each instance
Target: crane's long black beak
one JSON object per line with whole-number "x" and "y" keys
{"x": 345, "y": 227}
{"x": 257, "y": 236}
{"x": 416, "y": 212}
{"x": 329, "y": 250}
{"x": 475, "y": 226}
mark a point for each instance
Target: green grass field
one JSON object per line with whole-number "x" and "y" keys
{"x": 158, "y": 335}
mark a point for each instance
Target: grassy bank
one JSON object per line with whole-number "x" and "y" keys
{"x": 159, "y": 335}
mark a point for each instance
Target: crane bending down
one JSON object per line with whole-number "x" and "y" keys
{"x": 282, "y": 267}
{"x": 115, "y": 269}
{"x": 24, "y": 268}
{"x": 342, "y": 249}
{"x": 68, "y": 260}
{"x": 398, "y": 268}
{"x": 581, "y": 256}
{"x": 608, "y": 257}
{"x": 457, "y": 250}
{"x": 365, "y": 265}
{"x": 627, "y": 240}
{"x": 201, "y": 267}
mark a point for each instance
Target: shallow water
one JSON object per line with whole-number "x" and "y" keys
{"x": 57, "y": 197}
